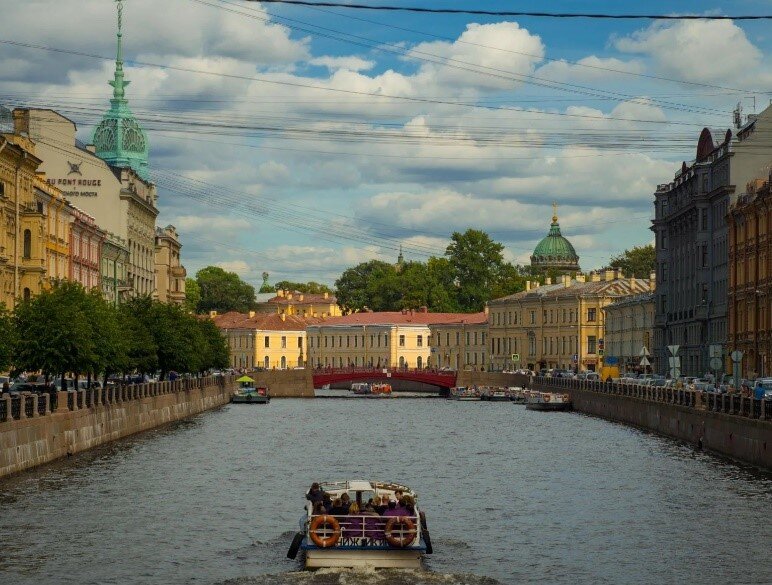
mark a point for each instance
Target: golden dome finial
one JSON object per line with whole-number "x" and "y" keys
{"x": 554, "y": 212}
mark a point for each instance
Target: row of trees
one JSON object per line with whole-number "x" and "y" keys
{"x": 69, "y": 330}
{"x": 472, "y": 272}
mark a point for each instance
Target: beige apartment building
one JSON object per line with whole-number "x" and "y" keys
{"x": 383, "y": 339}
{"x": 629, "y": 332}
{"x": 169, "y": 273}
{"x": 260, "y": 340}
{"x": 557, "y": 325}
{"x": 321, "y": 305}
{"x": 460, "y": 345}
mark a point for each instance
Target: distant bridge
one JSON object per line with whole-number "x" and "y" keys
{"x": 442, "y": 379}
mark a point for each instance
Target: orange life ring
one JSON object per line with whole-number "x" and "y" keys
{"x": 400, "y": 531}
{"x": 322, "y": 525}
{"x": 547, "y": 398}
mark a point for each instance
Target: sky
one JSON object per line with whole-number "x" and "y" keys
{"x": 300, "y": 141}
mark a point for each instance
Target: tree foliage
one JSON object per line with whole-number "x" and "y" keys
{"x": 7, "y": 338}
{"x": 69, "y": 330}
{"x": 640, "y": 261}
{"x": 192, "y": 295}
{"x": 223, "y": 291}
{"x": 471, "y": 273}
{"x": 309, "y": 287}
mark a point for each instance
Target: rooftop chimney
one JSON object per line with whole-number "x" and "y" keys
{"x": 527, "y": 285}
{"x": 653, "y": 281}
{"x": 566, "y": 280}
{"x": 548, "y": 280}
{"x": 486, "y": 310}
{"x": 608, "y": 275}
{"x": 212, "y": 314}
{"x": 251, "y": 314}
{"x": 280, "y": 293}
{"x": 283, "y": 317}
{"x": 424, "y": 309}
{"x": 326, "y": 295}
{"x": 580, "y": 278}
{"x": 594, "y": 277}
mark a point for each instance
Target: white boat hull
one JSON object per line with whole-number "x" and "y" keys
{"x": 377, "y": 559}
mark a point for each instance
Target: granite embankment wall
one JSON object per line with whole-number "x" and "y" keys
{"x": 31, "y": 434}
{"x": 286, "y": 383}
{"x": 733, "y": 426}
{"x": 469, "y": 378}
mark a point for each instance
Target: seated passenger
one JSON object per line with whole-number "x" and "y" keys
{"x": 315, "y": 494}
{"x": 392, "y": 510}
{"x": 401, "y": 508}
{"x": 337, "y": 508}
{"x": 398, "y": 495}
{"x": 409, "y": 504}
{"x": 379, "y": 505}
{"x": 373, "y": 523}
{"x": 319, "y": 509}
{"x": 352, "y": 525}
{"x": 327, "y": 501}
{"x": 345, "y": 501}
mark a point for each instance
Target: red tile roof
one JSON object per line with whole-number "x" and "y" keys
{"x": 263, "y": 321}
{"x": 405, "y": 318}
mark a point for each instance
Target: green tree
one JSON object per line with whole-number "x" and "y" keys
{"x": 110, "y": 350}
{"x": 476, "y": 262}
{"x": 370, "y": 284}
{"x": 55, "y": 333}
{"x": 135, "y": 319}
{"x": 640, "y": 261}
{"x": 265, "y": 287}
{"x": 7, "y": 338}
{"x": 192, "y": 295}
{"x": 510, "y": 281}
{"x": 217, "y": 354}
{"x": 223, "y": 291}
{"x": 310, "y": 287}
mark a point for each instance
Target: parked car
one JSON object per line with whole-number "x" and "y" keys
{"x": 19, "y": 387}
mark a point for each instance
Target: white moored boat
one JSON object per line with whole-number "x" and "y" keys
{"x": 397, "y": 539}
{"x": 548, "y": 401}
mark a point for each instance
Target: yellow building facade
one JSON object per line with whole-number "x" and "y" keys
{"x": 321, "y": 305}
{"x": 169, "y": 273}
{"x": 389, "y": 339}
{"x": 557, "y": 325}
{"x": 22, "y": 228}
{"x": 258, "y": 340}
{"x": 461, "y": 345}
{"x": 57, "y": 213}
{"x": 629, "y": 330}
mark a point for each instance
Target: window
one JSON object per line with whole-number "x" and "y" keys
{"x": 266, "y": 363}
{"x": 458, "y": 338}
{"x": 325, "y": 341}
{"x": 267, "y": 343}
{"x": 348, "y": 341}
{"x": 283, "y": 363}
{"x": 420, "y": 343}
{"x": 300, "y": 342}
{"x": 533, "y": 317}
{"x": 283, "y": 342}
{"x": 419, "y": 361}
{"x": 27, "y": 244}
{"x": 591, "y": 315}
{"x": 705, "y": 216}
{"x": 467, "y": 337}
{"x": 402, "y": 341}
{"x": 591, "y": 344}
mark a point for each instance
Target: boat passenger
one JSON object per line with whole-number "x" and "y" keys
{"x": 319, "y": 509}
{"x": 379, "y": 506}
{"x": 315, "y": 494}
{"x": 352, "y": 525}
{"x": 409, "y": 504}
{"x": 373, "y": 523}
{"x": 345, "y": 502}
{"x": 398, "y": 495}
{"x": 337, "y": 508}
{"x": 401, "y": 507}
{"x": 392, "y": 510}
{"x": 327, "y": 501}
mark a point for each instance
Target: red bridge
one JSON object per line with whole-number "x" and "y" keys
{"x": 443, "y": 379}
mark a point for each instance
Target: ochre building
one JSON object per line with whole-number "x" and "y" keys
{"x": 629, "y": 332}
{"x": 321, "y": 305}
{"x": 460, "y": 344}
{"x": 750, "y": 278}
{"x": 169, "y": 273}
{"x": 556, "y": 325}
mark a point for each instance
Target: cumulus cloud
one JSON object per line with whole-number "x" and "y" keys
{"x": 695, "y": 50}
{"x": 347, "y": 62}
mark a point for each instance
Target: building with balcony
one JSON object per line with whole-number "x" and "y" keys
{"x": 629, "y": 331}
{"x": 169, "y": 273}
{"x": 22, "y": 223}
{"x": 691, "y": 241}
{"x": 86, "y": 241}
{"x": 750, "y": 278}
{"x": 114, "y": 269}
{"x": 57, "y": 213}
{"x": 260, "y": 340}
{"x": 557, "y": 325}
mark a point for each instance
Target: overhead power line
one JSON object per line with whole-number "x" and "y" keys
{"x": 595, "y": 15}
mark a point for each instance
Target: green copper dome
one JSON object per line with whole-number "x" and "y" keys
{"x": 555, "y": 251}
{"x": 118, "y": 139}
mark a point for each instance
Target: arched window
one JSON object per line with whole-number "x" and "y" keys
{"x": 266, "y": 362}
{"x": 419, "y": 362}
{"x": 27, "y": 244}
{"x": 401, "y": 361}
{"x": 27, "y": 293}
{"x": 283, "y": 363}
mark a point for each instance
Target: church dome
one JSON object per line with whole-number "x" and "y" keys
{"x": 119, "y": 139}
{"x": 555, "y": 251}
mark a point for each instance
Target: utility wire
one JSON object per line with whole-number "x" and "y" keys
{"x": 387, "y": 8}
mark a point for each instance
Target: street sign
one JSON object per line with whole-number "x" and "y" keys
{"x": 674, "y": 362}
{"x": 600, "y": 352}
{"x": 673, "y": 349}
{"x": 716, "y": 363}
{"x": 715, "y": 350}
{"x": 575, "y": 357}
{"x": 644, "y": 352}
{"x": 737, "y": 356}
{"x": 645, "y": 361}
{"x": 515, "y": 357}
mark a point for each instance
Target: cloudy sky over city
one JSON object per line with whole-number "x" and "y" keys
{"x": 302, "y": 140}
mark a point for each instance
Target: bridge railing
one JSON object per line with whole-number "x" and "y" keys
{"x": 377, "y": 370}
{"x": 734, "y": 404}
{"x": 32, "y": 405}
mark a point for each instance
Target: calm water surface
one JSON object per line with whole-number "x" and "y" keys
{"x": 512, "y": 496}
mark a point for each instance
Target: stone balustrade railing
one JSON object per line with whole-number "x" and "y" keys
{"x": 30, "y": 405}
{"x": 733, "y": 404}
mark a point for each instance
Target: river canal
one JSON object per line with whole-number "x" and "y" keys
{"x": 512, "y": 496}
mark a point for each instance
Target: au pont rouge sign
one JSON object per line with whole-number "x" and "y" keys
{"x": 77, "y": 183}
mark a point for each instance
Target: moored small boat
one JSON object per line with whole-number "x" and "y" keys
{"x": 249, "y": 394}
{"x": 397, "y": 539}
{"x": 465, "y": 394}
{"x": 548, "y": 401}
{"x": 517, "y": 395}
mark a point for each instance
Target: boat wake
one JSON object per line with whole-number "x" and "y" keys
{"x": 364, "y": 577}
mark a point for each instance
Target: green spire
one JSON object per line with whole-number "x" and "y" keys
{"x": 118, "y": 139}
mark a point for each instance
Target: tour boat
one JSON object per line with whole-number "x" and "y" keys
{"x": 548, "y": 401}
{"x": 517, "y": 395}
{"x": 371, "y": 390}
{"x": 251, "y": 395}
{"x": 464, "y": 394}
{"x": 356, "y": 541}
{"x": 360, "y": 388}
{"x": 495, "y": 395}
{"x": 381, "y": 390}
